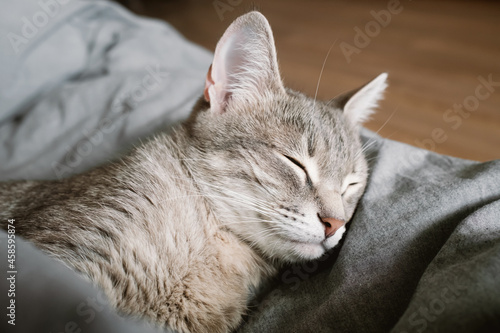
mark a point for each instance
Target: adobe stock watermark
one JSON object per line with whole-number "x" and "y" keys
{"x": 87, "y": 312}
{"x": 294, "y": 276}
{"x": 420, "y": 319}
{"x": 454, "y": 118}
{"x": 363, "y": 37}
{"x": 222, "y": 7}
{"x": 435, "y": 306}
{"x": 31, "y": 25}
{"x": 121, "y": 106}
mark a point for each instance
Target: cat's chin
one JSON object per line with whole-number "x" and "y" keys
{"x": 331, "y": 242}
{"x": 308, "y": 251}
{"x": 303, "y": 251}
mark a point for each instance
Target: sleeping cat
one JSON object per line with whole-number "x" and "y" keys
{"x": 184, "y": 226}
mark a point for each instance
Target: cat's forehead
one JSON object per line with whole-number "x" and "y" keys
{"x": 292, "y": 123}
{"x": 312, "y": 129}
{"x": 300, "y": 111}
{"x": 322, "y": 123}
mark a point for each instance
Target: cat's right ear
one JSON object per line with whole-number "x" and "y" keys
{"x": 245, "y": 64}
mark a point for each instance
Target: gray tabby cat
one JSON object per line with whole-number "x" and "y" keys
{"x": 184, "y": 226}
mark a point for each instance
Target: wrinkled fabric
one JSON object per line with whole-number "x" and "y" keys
{"x": 87, "y": 84}
{"x": 51, "y": 298}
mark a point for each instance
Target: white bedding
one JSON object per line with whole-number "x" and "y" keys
{"x": 86, "y": 84}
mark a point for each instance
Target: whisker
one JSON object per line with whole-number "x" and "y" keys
{"x": 321, "y": 72}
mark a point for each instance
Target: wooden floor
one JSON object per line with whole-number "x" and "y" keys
{"x": 438, "y": 54}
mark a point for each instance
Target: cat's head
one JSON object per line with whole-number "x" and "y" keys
{"x": 282, "y": 171}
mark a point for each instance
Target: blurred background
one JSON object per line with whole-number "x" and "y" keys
{"x": 443, "y": 59}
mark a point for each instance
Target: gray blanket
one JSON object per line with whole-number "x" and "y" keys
{"x": 422, "y": 253}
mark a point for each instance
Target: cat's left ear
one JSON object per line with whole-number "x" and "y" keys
{"x": 245, "y": 64}
{"x": 360, "y": 104}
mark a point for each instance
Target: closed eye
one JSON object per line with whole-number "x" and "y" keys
{"x": 300, "y": 165}
{"x": 350, "y": 185}
{"x": 297, "y": 163}
{"x": 307, "y": 179}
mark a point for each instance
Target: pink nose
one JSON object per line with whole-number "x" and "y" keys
{"x": 331, "y": 225}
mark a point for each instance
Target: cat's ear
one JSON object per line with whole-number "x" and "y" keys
{"x": 360, "y": 104}
{"x": 244, "y": 65}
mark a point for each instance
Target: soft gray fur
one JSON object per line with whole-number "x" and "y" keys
{"x": 179, "y": 230}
